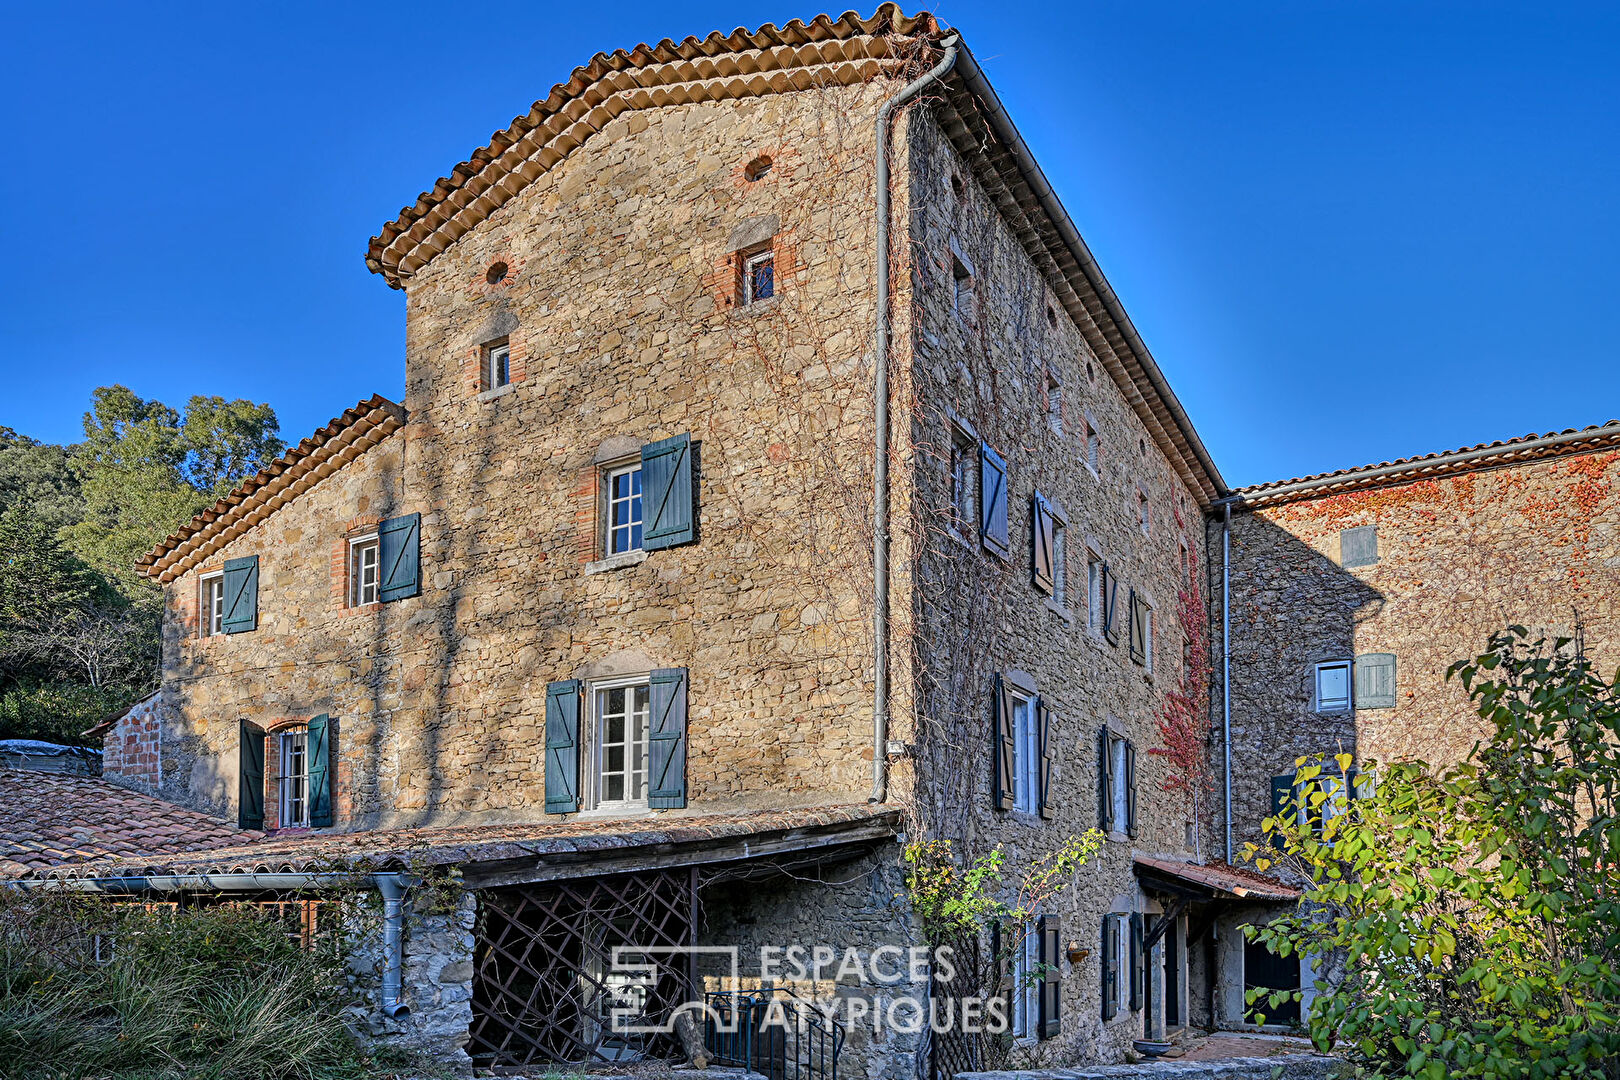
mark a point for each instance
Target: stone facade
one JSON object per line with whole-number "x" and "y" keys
{"x": 132, "y": 750}
{"x": 1458, "y": 558}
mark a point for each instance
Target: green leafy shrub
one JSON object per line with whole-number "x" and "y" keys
{"x": 1470, "y": 916}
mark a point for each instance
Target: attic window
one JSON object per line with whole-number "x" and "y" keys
{"x": 1091, "y": 374}
{"x": 757, "y": 168}
{"x": 1051, "y": 317}
{"x": 496, "y": 273}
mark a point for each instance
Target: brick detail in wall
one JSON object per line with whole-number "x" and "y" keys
{"x": 132, "y": 752}
{"x": 586, "y": 497}
{"x": 338, "y": 570}
{"x": 724, "y": 280}
{"x": 472, "y": 365}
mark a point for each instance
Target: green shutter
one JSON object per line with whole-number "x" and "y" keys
{"x": 666, "y": 756}
{"x": 242, "y": 595}
{"x": 1047, "y": 794}
{"x": 1375, "y": 681}
{"x": 1282, "y": 801}
{"x": 562, "y": 747}
{"x": 1109, "y": 968}
{"x": 1358, "y": 546}
{"x": 399, "y": 558}
{"x": 1051, "y": 977}
{"x": 322, "y": 774}
{"x": 1136, "y": 961}
{"x": 993, "y": 501}
{"x": 1043, "y": 544}
{"x": 1105, "y": 772}
{"x": 250, "y": 777}
{"x": 1003, "y": 748}
{"x": 668, "y": 494}
{"x": 1130, "y": 789}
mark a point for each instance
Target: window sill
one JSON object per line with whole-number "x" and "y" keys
{"x": 498, "y": 392}
{"x": 756, "y": 307}
{"x": 1060, "y": 611}
{"x": 616, "y": 562}
{"x": 614, "y": 812}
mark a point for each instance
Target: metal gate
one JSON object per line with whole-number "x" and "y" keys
{"x": 545, "y": 988}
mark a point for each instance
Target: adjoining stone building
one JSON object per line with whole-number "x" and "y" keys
{"x": 593, "y": 620}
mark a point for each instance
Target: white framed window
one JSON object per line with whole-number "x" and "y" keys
{"x": 1060, "y": 564}
{"x": 1333, "y": 686}
{"x": 759, "y": 276}
{"x": 363, "y": 572}
{"x": 1119, "y": 782}
{"x": 497, "y": 365}
{"x": 1122, "y": 951}
{"x": 293, "y": 765}
{"x": 964, "y": 480}
{"x": 211, "y": 604}
{"x": 1094, "y": 592}
{"x": 1093, "y": 448}
{"x": 623, "y": 509}
{"x": 1026, "y": 988}
{"x": 1026, "y": 755}
{"x": 621, "y": 715}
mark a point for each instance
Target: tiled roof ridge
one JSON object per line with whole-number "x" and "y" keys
{"x": 357, "y": 429}
{"x": 592, "y": 96}
{"x": 1438, "y": 463}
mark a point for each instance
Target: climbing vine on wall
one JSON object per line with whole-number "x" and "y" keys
{"x": 1183, "y": 717}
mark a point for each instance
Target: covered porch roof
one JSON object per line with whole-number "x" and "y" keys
{"x": 1211, "y": 881}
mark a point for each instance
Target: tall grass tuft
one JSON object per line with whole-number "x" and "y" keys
{"x": 92, "y": 989}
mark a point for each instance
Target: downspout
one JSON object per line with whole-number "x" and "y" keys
{"x": 391, "y": 886}
{"x": 1226, "y": 661}
{"x": 880, "y": 462}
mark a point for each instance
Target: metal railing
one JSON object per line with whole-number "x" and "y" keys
{"x": 774, "y": 1032}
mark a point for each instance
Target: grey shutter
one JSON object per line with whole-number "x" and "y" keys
{"x": 993, "y": 501}
{"x": 1105, "y": 772}
{"x": 250, "y": 777}
{"x": 1047, "y": 795}
{"x": 1110, "y": 969}
{"x": 1138, "y": 629}
{"x": 242, "y": 595}
{"x": 1002, "y": 747}
{"x": 1282, "y": 794}
{"x": 1043, "y": 545}
{"x": 1358, "y": 546}
{"x": 322, "y": 734}
{"x": 399, "y": 558}
{"x": 1130, "y": 789}
{"x": 1051, "y": 977}
{"x": 668, "y": 496}
{"x": 1375, "y": 681}
{"x": 562, "y": 747}
{"x": 1110, "y": 589}
{"x": 666, "y": 756}
{"x": 1136, "y": 961}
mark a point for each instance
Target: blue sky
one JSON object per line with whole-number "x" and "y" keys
{"x": 1348, "y": 231}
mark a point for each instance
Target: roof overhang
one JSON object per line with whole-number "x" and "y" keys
{"x": 1211, "y": 882}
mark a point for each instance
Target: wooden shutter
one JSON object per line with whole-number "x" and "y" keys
{"x": 1358, "y": 546}
{"x": 1375, "y": 681}
{"x": 666, "y": 756}
{"x": 993, "y": 501}
{"x": 1047, "y": 794}
{"x": 399, "y": 558}
{"x": 1051, "y": 977}
{"x": 1003, "y": 748}
{"x": 1105, "y": 784}
{"x": 1282, "y": 793}
{"x": 1110, "y": 591}
{"x": 1130, "y": 789}
{"x": 322, "y": 734}
{"x": 1109, "y": 968}
{"x": 1136, "y": 961}
{"x": 562, "y": 747}
{"x": 250, "y": 777}
{"x": 1043, "y": 545}
{"x": 668, "y": 496}
{"x": 242, "y": 595}
{"x": 1138, "y": 628}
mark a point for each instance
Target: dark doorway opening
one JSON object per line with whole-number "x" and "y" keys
{"x": 1264, "y": 969}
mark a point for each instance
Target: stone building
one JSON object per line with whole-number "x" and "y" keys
{"x": 627, "y": 621}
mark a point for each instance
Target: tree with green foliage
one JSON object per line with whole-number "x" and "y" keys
{"x": 1469, "y": 917}
{"x": 37, "y": 475}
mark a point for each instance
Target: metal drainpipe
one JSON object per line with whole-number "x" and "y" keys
{"x": 880, "y": 461}
{"x": 392, "y": 887}
{"x": 1226, "y": 661}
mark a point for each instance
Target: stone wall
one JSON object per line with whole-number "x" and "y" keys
{"x": 132, "y": 750}
{"x": 1535, "y": 544}
{"x": 436, "y": 980}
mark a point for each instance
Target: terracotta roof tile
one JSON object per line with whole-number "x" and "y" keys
{"x": 328, "y": 449}
{"x": 50, "y": 820}
{"x": 1234, "y": 881}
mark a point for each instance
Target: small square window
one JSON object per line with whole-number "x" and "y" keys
{"x": 1093, "y": 448}
{"x": 623, "y": 711}
{"x": 497, "y": 366}
{"x": 1358, "y": 546}
{"x": 759, "y": 276}
{"x": 294, "y": 781}
{"x": 961, "y": 288}
{"x": 363, "y": 575}
{"x": 1333, "y": 686}
{"x": 623, "y": 509}
{"x": 1054, "y": 403}
{"x": 211, "y": 605}
{"x": 964, "y": 480}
